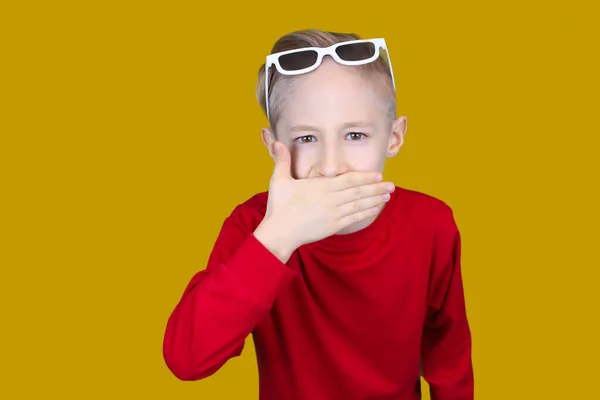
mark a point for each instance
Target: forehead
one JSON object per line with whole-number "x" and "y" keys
{"x": 332, "y": 93}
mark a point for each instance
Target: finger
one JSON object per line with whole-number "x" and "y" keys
{"x": 352, "y": 179}
{"x": 357, "y": 217}
{"x": 362, "y": 206}
{"x": 283, "y": 161}
{"x": 362, "y": 192}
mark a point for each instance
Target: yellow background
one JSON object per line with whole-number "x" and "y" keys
{"x": 129, "y": 131}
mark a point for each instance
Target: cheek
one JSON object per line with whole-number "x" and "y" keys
{"x": 370, "y": 157}
{"x": 303, "y": 157}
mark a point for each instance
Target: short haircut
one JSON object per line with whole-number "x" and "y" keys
{"x": 377, "y": 71}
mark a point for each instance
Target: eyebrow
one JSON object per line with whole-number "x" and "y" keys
{"x": 351, "y": 124}
{"x": 303, "y": 128}
{"x": 357, "y": 124}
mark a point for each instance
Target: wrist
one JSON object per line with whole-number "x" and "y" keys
{"x": 272, "y": 237}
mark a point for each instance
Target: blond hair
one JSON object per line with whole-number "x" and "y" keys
{"x": 318, "y": 38}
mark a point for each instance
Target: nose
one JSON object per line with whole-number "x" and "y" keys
{"x": 332, "y": 161}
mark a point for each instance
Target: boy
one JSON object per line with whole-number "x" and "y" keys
{"x": 348, "y": 284}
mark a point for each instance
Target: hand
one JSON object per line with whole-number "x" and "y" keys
{"x": 301, "y": 211}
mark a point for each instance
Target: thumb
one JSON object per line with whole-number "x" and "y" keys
{"x": 283, "y": 161}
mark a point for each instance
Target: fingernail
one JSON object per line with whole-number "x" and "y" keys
{"x": 390, "y": 187}
{"x": 386, "y": 197}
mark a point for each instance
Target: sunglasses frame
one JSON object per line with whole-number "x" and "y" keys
{"x": 273, "y": 59}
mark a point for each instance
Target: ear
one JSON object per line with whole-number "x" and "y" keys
{"x": 397, "y": 137}
{"x": 268, "y": 139}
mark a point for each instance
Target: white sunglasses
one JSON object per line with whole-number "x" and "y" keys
{"x": 307, "y": 59}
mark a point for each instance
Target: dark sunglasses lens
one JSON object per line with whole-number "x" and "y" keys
{"x": 298, "y": 61}
{"x": 356, "y": 51}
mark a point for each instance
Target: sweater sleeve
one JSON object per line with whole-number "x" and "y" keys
{"x": 446, "y": 344}
{"x": 222, "y": 304}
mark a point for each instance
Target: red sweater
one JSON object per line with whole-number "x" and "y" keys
{"x": 350, "y": 317}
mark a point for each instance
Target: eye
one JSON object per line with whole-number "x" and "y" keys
{"x": 306, "y": 139}
{"x": 355, "y": 136}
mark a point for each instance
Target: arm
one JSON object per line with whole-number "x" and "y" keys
{"x": 446, "y": 345}
{"x": 222, "y": 304}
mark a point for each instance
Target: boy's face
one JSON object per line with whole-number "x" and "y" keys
{"x": 333, "y": 121}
